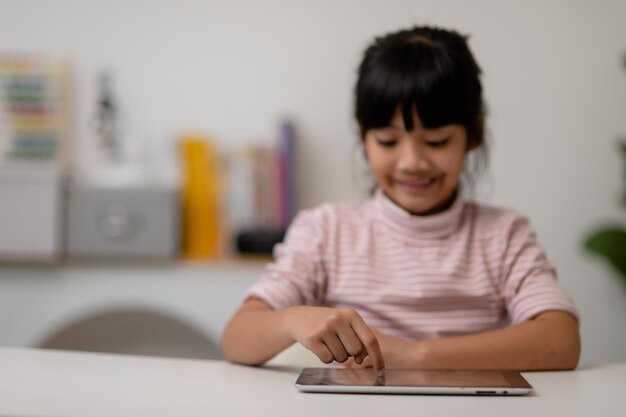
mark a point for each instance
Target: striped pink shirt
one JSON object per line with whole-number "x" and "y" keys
{"x": 469, "y": 269}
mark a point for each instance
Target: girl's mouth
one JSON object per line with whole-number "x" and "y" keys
{"x": 416, "y": 185}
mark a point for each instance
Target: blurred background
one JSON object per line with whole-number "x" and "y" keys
{"x": 121, "y": 121}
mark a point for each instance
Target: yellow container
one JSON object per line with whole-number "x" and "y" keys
{"x": 201, "y": 214}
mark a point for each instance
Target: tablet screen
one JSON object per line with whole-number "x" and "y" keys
{"x": 410, "y": 380}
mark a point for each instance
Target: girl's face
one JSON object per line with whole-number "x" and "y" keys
{"x": 418, "y": 170}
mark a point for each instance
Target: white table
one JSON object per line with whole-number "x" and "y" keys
{"x": 54, "y": 383}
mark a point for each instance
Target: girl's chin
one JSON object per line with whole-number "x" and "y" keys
{"x": 422, "y": 206}
{"x": 414, "y": 207}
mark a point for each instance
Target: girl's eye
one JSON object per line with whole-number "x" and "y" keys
{"x": 387, "y": 143}
{"x": 438, "y": 143}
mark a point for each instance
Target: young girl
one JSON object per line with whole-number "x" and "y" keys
{"x": 416, "y": 276}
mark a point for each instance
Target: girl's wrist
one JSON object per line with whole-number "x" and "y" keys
{"x": 288, "y": 321}
{"x": 403, "y": 353}
{"x": 418, "y": 354}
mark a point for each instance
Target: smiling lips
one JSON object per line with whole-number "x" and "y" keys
{"x": 416, "y": 185}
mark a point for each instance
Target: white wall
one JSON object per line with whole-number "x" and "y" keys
{"x": 555, "y": 90}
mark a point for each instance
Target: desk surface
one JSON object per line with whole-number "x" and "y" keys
{"x": 54, "y": 383}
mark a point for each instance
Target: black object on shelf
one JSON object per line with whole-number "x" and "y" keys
{"x": 259, "y": 241}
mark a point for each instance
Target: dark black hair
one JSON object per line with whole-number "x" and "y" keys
{"x": 427, "y": 70}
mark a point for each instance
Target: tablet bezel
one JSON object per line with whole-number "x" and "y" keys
{"x": 309, "y": 381}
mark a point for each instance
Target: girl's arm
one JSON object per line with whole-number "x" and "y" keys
{"x": 549, "y": 341}
{"x": 257, "y": 333}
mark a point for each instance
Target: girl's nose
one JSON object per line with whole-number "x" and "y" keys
{"x": 414, "y": 159}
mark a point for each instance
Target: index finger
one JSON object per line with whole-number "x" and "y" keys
{"x": 370, "y": 342}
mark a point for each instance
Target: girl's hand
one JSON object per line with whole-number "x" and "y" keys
{"x": 335, "y": 335}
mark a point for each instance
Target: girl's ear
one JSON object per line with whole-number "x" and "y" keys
{"x": 472, "y": 143}
{"x": 362, "y": 144}
{"x": 361, "y": 133}
{"x": 477, "y": 138}
{"x": 364, "y": 150}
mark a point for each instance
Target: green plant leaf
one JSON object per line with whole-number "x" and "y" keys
{"x": 610, "y": 243}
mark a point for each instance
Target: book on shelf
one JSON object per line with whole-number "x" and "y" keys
{"x": 287, "y": 172}
{"x": 262, "y": 191}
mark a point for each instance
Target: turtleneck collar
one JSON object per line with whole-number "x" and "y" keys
{"x": 436, "y": 226}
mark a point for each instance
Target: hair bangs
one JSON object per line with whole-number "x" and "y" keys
{"x": 377, "y": 99}
{"x": 437, "y": 95}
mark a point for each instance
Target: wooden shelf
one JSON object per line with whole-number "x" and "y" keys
{"x": 238, "y": 261}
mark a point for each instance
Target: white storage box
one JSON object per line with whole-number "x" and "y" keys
{"x": 30, "y": 212}
{"x": 122, "y": 222}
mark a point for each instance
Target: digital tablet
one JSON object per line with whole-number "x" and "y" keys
{"x": 410, "y": 381}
